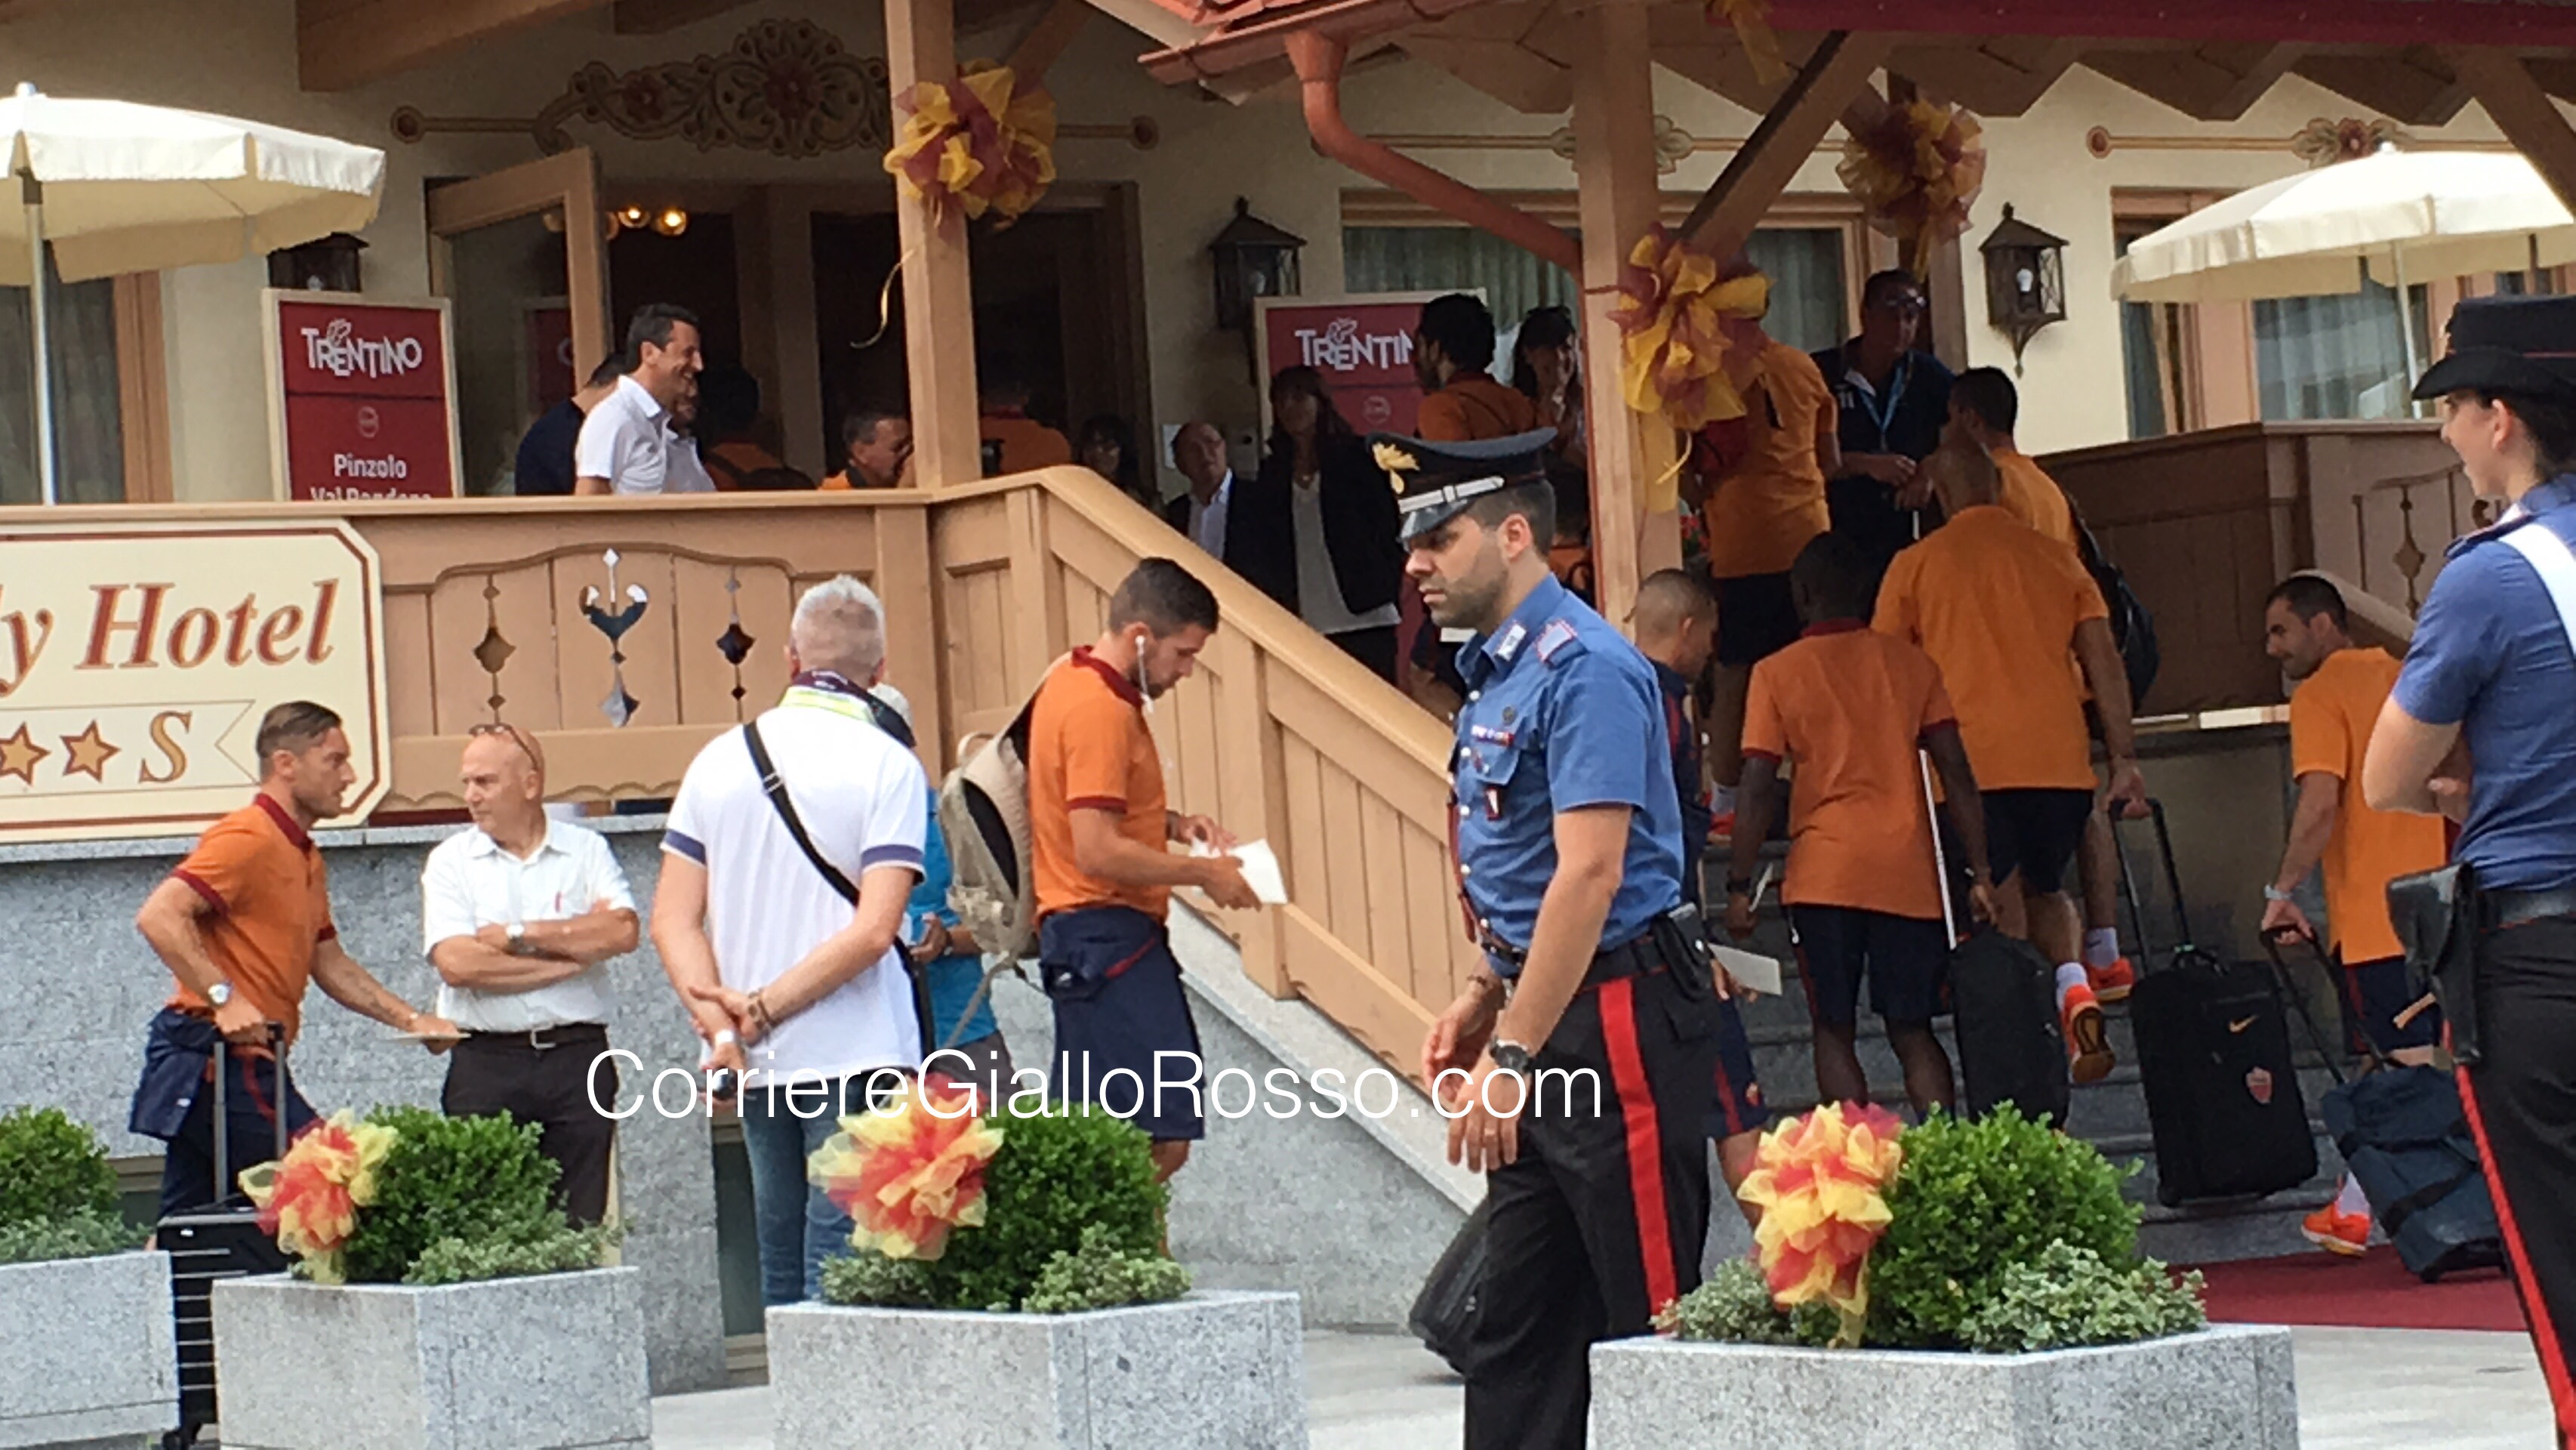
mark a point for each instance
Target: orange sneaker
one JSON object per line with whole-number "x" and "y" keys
{"x": 2112, "y": 983}
{"x": 2088, "y": 1040}
{"x": 2336, "y": 1232}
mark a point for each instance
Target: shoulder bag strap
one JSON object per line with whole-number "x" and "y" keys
{"x": 2549, "y": 554}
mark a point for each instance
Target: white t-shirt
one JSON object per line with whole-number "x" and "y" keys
{"x": 687, "y": 472}
{"x": 864, "y": 801}
{"x": 627, "y": 440}
{"x": 1207, "y": 520}
{"x": 1319, "y": 590}
{"x": 470, "y": 883}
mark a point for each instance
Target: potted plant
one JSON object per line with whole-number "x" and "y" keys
{"x": 86, "y": 1355}
{"x": 1007, "y": 1273}
{"x": 438, "y": 1299}
{"x": 1962, "y": 1282}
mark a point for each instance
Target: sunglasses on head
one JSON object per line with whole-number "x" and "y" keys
{"x": 1913, "y": 306}
{"x": 526, "y": 746}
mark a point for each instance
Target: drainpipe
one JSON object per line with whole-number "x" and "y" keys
{"x": 1319, "y": 59}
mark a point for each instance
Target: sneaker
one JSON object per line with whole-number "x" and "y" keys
{"x": 2336, "y": 1232}
{"x": 2112, "y": 983}
{"x": 2088, "y": 1039}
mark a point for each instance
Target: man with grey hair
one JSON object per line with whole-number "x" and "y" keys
{"x": 791, "y": 854}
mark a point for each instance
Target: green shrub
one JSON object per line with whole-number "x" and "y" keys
{"x": 1734, "y": 1306}
{"x": 51, "y": 1168}
{"x": 1058, "y": 1173}
{"x": 1101, "y": 1275}
{"x": 1975, "y": 1199}
{"x": 867, "y": 1277}
{"x": 480, "y": 1181}
{"x": 83, "y": 1235}
{"x": 2071, "y": 1297}
{"x": 559, "y": 1251}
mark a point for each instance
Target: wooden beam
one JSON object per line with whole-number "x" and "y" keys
{"x": 2004, "y": 76}
{"x": 340, "y": 44}
{"x": 938, "y": 300}
{"x": 1506, "y": 70}
{"x": 2212, "y": 83}
{"x": 1614, "y": 160}
{"x": 1047, "y": 39}
{"x": 2505, "y": 89}
{"x": 2412, "y": 88}
{"x": 1710, "y": 57}
{"x": 1833, "y": 81}
{"x": 660, "y": 17}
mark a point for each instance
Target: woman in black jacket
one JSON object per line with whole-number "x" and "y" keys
{"x": 1316, "y": 530}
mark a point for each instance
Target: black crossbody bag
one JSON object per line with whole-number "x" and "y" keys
{"x": 2437, "y": 915}
{"x": 776, "y": 789}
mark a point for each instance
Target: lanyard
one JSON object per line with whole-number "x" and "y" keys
{"x": 1881, "y": 411}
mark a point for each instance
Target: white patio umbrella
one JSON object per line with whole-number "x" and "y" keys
{"x": 2390, "y": 216}
{"x": 119, "y": 187}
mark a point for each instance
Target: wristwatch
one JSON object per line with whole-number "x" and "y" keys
{"x": 518, "y": 940}
{"x": 220, "y": 994}
{"x": 1510, "y": 1056}
{"x": 2275, "y": 893}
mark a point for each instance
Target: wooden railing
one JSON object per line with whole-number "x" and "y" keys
{"x": 2204, "y": 524}
{"x": 628, "y": 632}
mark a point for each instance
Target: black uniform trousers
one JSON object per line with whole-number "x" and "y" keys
{"x": 2521, "y": 1101}
{"x": 550, "y": 1078}
{"x": 1600, "y": 1220}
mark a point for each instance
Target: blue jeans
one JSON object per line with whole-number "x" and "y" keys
{"x": 797, "y": 1225}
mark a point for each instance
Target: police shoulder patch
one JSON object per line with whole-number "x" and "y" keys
{"x": 1557, "y": 641}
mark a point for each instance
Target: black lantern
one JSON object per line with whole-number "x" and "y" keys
{"x": 328, "y": 265}
{"x": 1253, "y": 260}
{"x": 2025, "y": 280}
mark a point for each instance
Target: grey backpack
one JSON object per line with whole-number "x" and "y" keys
{"x": 984, "y": 817}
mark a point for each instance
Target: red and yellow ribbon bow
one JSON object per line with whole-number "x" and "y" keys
{"x": 1916, "y": 172}
{"x": 1691, "y": 337}
{"x": 1820, "y": 1182}
{"x": 978, "y": 142}
{"x": 909, "y": 1173}
{"x": 310, "y": 1198}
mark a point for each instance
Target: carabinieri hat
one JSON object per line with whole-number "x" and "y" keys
{"x": 1434, "y": 482}
{"x": 2508, "y": 345}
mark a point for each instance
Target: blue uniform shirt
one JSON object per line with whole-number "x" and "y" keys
{"x": 2491, "y": 655}
{"x": 954, "y": 978}
{"x": 1561, "y": 713}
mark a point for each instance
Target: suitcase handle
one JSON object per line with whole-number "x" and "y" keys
{"x": 222, "y": 1122}
{"x": 2184, "y": 947}
{"x": 2282, "y": 983}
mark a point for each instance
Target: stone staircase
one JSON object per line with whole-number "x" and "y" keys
{"x": 2110, "y": 1114}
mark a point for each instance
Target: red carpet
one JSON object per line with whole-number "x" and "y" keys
{"x": 2371, "y": 1292}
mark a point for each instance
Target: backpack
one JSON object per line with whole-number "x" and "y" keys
{"x": 2133, "y": 629}
{"x": 984, "y": 817}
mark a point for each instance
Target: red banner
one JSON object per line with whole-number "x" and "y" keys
{"x": 368, "y": 410}
{"x": 1364, "y": 348}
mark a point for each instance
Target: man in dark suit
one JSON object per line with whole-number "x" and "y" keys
{"x": 1198, "y": 451}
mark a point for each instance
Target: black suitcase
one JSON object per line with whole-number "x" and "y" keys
{"x": 2003, "y": 998}
{"x": 223, "y": 1241}
{"x": 2214, "y": 1055}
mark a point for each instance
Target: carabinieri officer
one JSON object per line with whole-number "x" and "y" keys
{"x": 1576, "y": 1065}
{"x": 2479, "y": 718}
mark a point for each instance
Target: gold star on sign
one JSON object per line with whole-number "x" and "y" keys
{"x": 18, "y": 756}
{"x": 89, "y": 754}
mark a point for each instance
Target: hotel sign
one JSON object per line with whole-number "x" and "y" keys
{"x": 136, "y": 661}
{"x": 362, "y": 396}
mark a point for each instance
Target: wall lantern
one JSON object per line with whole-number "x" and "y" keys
{"x": 327, "y": 265}
{"x": 1253, "y": 260}
{"x": 2025, "y": 280}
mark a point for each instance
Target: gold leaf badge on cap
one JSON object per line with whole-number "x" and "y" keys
{"x": 1396, "y": 462}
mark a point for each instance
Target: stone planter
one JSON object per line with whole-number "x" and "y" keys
{"x": 544, "y": 1363}
{"x": 1212, "y": 1371}
{"x": 2228, "y": 1387}
{"x": 87, "y": 1353}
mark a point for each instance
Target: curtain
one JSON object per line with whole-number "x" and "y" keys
{"x": 2335, "y": 357}
{"x": 1805, "y": 265}
{"x": 89, "y": 427}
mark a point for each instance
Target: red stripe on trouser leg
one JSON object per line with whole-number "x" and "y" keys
{"x": 1645, "y": 1139}
{"x": 2535, "y": 1308}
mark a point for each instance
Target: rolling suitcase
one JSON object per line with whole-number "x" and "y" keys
{"x": 221, "y": 1241}
{"x": 2214, "y": 1056}
{"x": 2003, "y": 1007}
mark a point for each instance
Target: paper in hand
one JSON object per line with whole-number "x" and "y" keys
{"x": 1754, "y": 970}
{"x": 1260, "y": 869}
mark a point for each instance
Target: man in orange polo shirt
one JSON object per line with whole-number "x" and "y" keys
{"x": 1998, "y": 607}
{"x": 1763, "y": 506}
{"x": 1101, "y": 833}
{"x": 1453, "y": 349}
{"x": 2340, "y": 689}
{"x": 1013, "y": 441}
{"x": 1852, "y": 709}
{"x": 244, "y": 924}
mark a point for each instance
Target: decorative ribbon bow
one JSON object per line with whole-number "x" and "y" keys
{"x": 1690, "y": 336}
{"x": 1917, "y": 172}
{"x": 1820, "y": 1182}
{"x": 978, "y": 143}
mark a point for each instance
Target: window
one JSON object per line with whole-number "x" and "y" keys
{"x": 2151, "y": 351}
{"x": 110, "y": 432}
{"x": 2337, "y": 357}
{"x": 1455, "y": 259}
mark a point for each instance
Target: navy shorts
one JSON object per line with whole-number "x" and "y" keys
{"x": 1735, "y": 1102}
{"x": 1906, "y": 959}
{"x": 1757, "y": 617}
{"x": 2034, "y": 833}
{"x": 2373, "y": 994}
{"x": 1120, "y": 1016}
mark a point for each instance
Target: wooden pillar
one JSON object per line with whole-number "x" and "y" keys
{"x": 1614, "y": 163}
{"x": 1945, "y": 274}
{"x": 2522, "y": 111}
{"x": 938, "y": 300}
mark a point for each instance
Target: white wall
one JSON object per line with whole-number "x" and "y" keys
{"x": 240, "y": 58}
